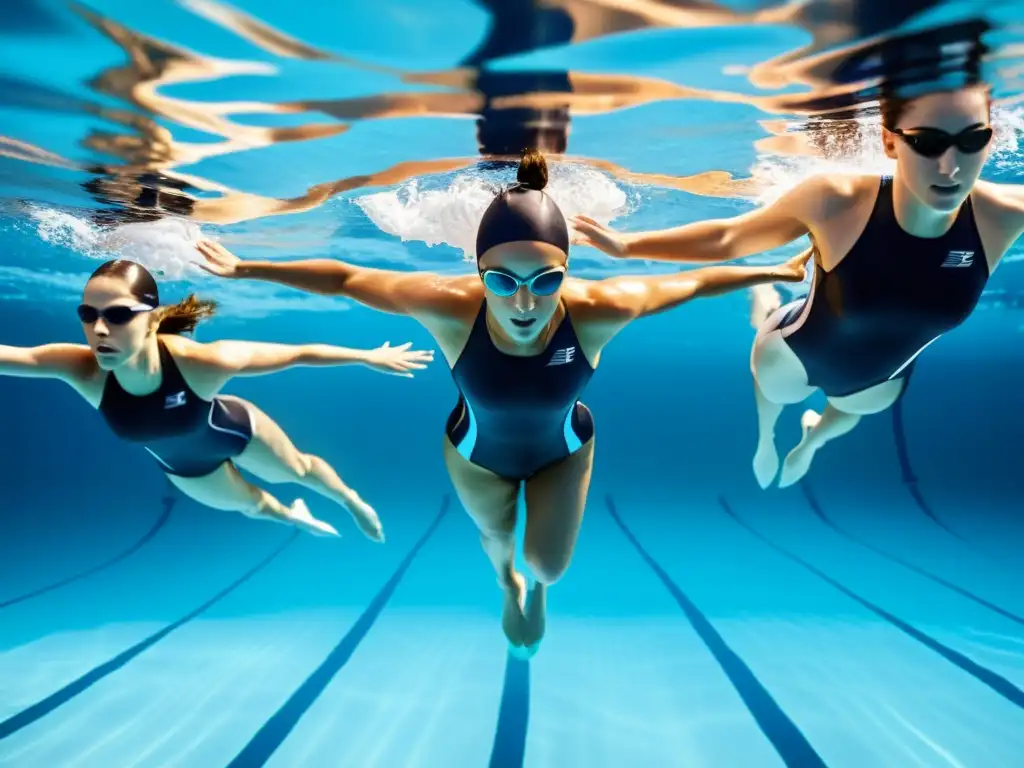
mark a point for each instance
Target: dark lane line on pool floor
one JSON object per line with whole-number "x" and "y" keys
{"x": 44, "y": 707}
{"x": 165, "y": 514}
{"x": 909, "y": 478}
{"x": 994, "y": 681}
{"x": 820, "y": 513}
{"x": 509, "y": 748}
{"x": 788, "y": 740}
{"x": 275, "y": 730}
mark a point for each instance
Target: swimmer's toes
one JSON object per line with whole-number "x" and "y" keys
{"x": 796, "y": 465}
{"x": 766, "y": 465}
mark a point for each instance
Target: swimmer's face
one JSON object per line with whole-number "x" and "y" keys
{"x": 114, "y": 323}
{"x": 937, "y": 173}
{"x": 523, "y": 281}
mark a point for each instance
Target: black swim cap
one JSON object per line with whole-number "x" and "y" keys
{"x": 524, "y": 212}
{"x": 139, "y": 279}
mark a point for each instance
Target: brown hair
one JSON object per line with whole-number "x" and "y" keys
{"x": 533, "y": 170}
{"x": 894, "y": 107}
{"x": 184, "y": 316}
{"x": 179, "y": 318}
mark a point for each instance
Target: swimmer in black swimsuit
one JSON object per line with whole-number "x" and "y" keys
{"x": 899, "y": 262}
{"x": 160, "y": 390}
{"x": 522, "y": 341}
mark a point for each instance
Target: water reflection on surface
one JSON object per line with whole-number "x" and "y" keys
{"x": 152, "y": 128}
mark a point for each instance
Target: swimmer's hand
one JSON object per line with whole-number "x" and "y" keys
{"x": 398, "y": 361}
{"x": 218, "y": 259}
{"x": 584, "y": 230}
{"x": 795, "y": 270}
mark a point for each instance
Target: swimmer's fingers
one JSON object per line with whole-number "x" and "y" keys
{"x": 795, "y": 270}
{"x": 218, "y": 259}
{"x": 587, "y": 231}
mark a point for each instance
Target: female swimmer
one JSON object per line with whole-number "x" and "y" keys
{"x": 899, "y": 262}
{"x": 156, "y": 388}
{"x": 522, "y": 342}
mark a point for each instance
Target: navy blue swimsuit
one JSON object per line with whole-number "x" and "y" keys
{"x": 866, "y": 321}
{"x": 518, "y": 415}
{"x": 189, "y": 436}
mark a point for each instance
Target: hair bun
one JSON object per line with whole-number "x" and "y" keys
{"x": 533, "y": 170}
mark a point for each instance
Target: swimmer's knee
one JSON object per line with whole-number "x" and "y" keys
{"x": 547, "y": 566}
{"x": 301, "y": 466}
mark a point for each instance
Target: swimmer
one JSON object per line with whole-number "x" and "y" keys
{"x": 156, "y": 388}
{"x": 522, "y": 341}
{"x": 899, "y": 261}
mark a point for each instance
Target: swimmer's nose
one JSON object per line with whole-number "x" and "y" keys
{"x": 948, "y": 163}
{"x": 525, "y": 301}
{"x": 100, "y": 328}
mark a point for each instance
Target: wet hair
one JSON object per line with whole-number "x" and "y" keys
{"x": 939, "y": 60}
{"x": 175, "y": 319}
{"x": 893, "y": 107}
{"x": 524, "y": 211}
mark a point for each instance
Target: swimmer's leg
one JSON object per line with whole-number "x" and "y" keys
{"x": 226, "y": 489}
{"x": 490, "y": 501}
{"x": 273, "y": 457}
{"x": 779, "y": 380}
{"x": 555, "y": 500}
{"x": 765, "y": 300}
{"x": 840, "y": 416}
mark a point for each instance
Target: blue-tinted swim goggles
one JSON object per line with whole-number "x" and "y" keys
{"x": 505, "y": 284}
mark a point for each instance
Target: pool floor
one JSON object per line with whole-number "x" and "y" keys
{"x": 756, "y": 630}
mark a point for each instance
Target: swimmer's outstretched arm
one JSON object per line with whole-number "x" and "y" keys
{"x": 67, "y": 362}
{"x": 781, "y": 222}
{"x": 227, "y": 359}
{"x": 417, "y": 294}
{"x": 651, "y": 294}
{"x": 605, "y": 307}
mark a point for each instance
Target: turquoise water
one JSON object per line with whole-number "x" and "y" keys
{"x": 872, "y": 616}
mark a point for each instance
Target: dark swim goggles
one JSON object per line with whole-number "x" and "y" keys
{"x": 932, "y": 142}
{"x": 505, "y": 284}
{"x": 117, "y": 315}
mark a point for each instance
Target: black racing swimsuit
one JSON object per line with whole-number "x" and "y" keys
{"x": 518, "y": 415}
{"x": 866, "y": 321}
{"x": 189, "y": 436}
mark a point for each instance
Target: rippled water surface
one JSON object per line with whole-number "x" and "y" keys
{"x": 376, "y": 129}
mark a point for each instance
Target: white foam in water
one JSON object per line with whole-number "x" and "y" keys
{"x": 165, "y": 246}
{"x": 450, "y": 216}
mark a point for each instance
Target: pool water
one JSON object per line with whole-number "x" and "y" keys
{"x": 872, "y": 615}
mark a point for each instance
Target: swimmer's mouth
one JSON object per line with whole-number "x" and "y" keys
{"x": 523, "y": 323}
{"x": 946, "y": 189}
{"x": 105, "y": 349}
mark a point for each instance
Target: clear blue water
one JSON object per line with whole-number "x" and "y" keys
{"x": 871, "y": 617}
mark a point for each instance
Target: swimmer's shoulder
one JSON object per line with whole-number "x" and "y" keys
{"x": 823, "y": 197}
{"x": 999, "y": 217}
{"x": 77, "y": 367}
{"x": 1001, "y": 200}
{"x": 599, "y": 301}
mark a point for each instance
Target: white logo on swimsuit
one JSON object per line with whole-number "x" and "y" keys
{"x": 959, "y": 259}
{"x": 563, "y": 356}
{"x": 174, "y": 401}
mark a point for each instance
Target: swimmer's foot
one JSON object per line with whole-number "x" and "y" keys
{"x": 365, "y": 517}
{"x": 300, "y": 516}
{"x": 512, "y": 618}
{"x": 766, "y": 462}
{"x": 536, "y": 618}
{"x": 798, "y": 462}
